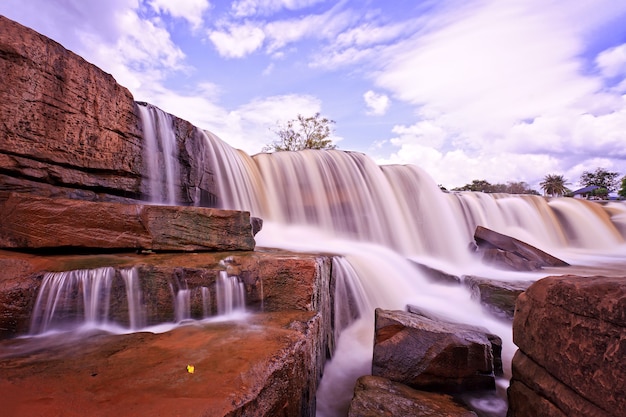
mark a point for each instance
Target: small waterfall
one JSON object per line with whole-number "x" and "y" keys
{"x": 136, "y": 312}
{"x": 160, "y": 155}
{"x": 230, "y": 294}
{"x": 73, "y": 299}
{"x": 100, "y": 299}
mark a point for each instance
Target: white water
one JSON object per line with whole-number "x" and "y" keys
{"x": 81, "y": 300}
{"x": 160, "y": 155}
{"x": 379, "y": 219}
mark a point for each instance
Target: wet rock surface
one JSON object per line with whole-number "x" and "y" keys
{"x": 432, "y": 355}
{"x": 261, "y": 366}
{"x": 511, "y": 253}
{"x": 375, "y": 396}
{"x": 498, "y": 297}
{"x": 570, "y": 334}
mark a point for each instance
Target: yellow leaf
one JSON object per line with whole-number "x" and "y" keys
{"x": 191, "y": 369}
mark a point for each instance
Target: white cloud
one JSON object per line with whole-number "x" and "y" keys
{"x": 245, "y": 8}
{"x": 377, "y": 104}
{"x": 502, "y": 94}
{"x": 612, "y": 62}
{"x": 190, "y": 10}
{"x": 237, "y": 41}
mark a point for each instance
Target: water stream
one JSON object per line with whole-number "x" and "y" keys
{"x": 383, "y": 219}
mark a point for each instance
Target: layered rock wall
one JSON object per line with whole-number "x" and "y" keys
{"x": 69, "y": 130}
{"x": 571, "y": 334}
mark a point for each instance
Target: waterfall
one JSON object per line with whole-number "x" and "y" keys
{"x": 160, "y": 155}
{"x": 89, "y": 299}
{"x": 73, "y": 299}
{"x": 230, "y": 294}
{"x": 380, "y": 220}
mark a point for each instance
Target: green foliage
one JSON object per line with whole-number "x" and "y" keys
{"x": 601, "y": 178}
{"x": 554, "y": 185}
{"x": 303, "y": 133}
{"x": 622, "y": 191}
{"x": 510, "y": 187}
{"x": 601, "y": 192}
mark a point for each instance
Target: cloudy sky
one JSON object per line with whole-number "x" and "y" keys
{"x": 501, "y": 90}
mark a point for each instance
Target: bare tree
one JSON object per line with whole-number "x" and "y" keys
{"x": 303, "y": 133}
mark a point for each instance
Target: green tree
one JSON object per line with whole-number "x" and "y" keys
{"x": 553, "y": 185}
{"x": 601, "y": 178}
{"x": 622, "y": 191}
{"x": 303, "y": 133}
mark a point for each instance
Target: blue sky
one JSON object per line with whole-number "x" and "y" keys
{"x": 502, "y": 90}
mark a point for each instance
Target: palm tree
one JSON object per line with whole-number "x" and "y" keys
{"x": 553, "y": 185}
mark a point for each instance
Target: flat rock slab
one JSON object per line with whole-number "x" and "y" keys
{"x": 30, "y": 222}
{"x": 261, "y": 367}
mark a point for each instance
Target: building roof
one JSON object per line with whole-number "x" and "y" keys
{"x": 585, "y": 190}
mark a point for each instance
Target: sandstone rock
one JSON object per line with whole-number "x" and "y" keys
{"x": 259, "y": 367}
{"x": 376, "y": 396}
{"x": 66, "y": 123}
{"x": 494, "y": 339}
{"x": 70, "y": 131}
{"x": 497, "y": 296}
{"x": 570, "y": 331}
{"x": 512, "y": 253}
{"x": 31, "y": 222}
{"x": 425, "y": 354}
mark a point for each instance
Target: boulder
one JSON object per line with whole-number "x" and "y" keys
{"x": 259, "y": 367}
{"x": 431, "y": 355}
{"x": 375, "y": 396}
{"x": 32, "y": 222}
{"x": 494, "y": 339}
{"x": 512, "y": 253}
{"x": 570, "y": 334}
{"x": 498, "y": 297}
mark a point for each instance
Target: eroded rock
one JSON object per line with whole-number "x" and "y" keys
{"x": 261, "y": 367}
{"x": 498, "y": 297}
{"x": 570, "y": 332}
{"x": 33, "y": 222}
{"x": 375, "y": 396}
{"x": 512, "y": 253}
{"x": 431, "y": 355}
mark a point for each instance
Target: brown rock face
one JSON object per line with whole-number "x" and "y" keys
{"x": 432, "y": 355}
{"x": 66, "y": 124}
{"x": 375, "y": 396}
{"x": 258, "y": 367}
{"x": 30, "y": 222}
{"x": 570, "y": 334}
{"x": 512, "y": 253}
{"x": 498, "y": 297}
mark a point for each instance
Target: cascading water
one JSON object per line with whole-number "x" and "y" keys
{"x": 382, "y": 220}
{"x": 160, "y": 154}
{"x": 98, "y": 299}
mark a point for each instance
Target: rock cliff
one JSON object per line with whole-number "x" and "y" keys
{"x": 571, "y": 339}
{"x": 69, "y": 130}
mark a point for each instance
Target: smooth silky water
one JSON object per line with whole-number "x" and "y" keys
{"x": 379, "y": 221}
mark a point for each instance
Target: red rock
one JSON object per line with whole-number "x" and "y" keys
{"x": 258, "y": 367}
{"x": 32, "y": 222}
{"x": 66, "y": 123}
{"x": 375, "y": 396}
{"x": 570, "y": 330}
{"x": 432, "y": 355}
